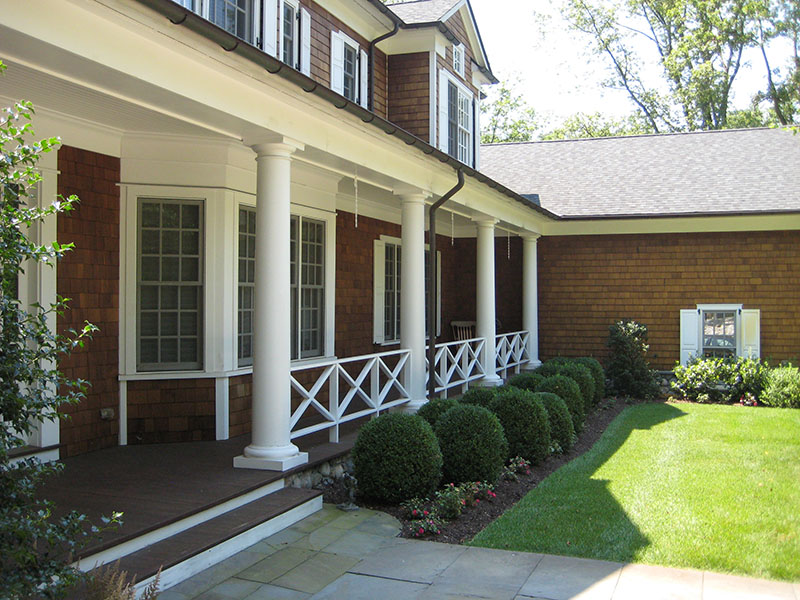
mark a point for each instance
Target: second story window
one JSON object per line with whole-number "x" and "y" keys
{"x": 234, "y": 16}
{"x": 348, "y": 68}
{"x": 289, "y": 33}
{"x": 458, "y": 59}
{"x": 456, "y": 127}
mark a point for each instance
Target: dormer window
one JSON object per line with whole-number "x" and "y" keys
{"x": 348, "y": 68}
{"x": 458, "y": 59}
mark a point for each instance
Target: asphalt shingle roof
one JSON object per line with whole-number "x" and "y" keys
{"x": 729, "y": 171}
{"x": 422, "y": 11}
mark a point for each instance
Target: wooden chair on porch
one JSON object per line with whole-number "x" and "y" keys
{"x": 462, "y": 330}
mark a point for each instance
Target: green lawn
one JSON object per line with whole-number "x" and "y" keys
{"x": 685, "y": 485}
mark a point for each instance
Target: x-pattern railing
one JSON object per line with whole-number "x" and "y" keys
{"x": 511, "y": 352}
{"x": 370, "y": 386}
{"x": 458, "y": 363}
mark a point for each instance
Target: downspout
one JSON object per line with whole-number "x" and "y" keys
{"x": 372, "y": 44}
{"x": 433, "y": 291}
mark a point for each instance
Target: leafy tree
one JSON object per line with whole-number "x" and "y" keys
{"x": 596, "y": 125}
{"x": 35, "y": 546}
{"x": 781, "y": 20}
{"x": 506, "y": 116}
{"x": 700, "y": 45}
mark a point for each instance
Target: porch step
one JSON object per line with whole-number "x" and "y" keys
{"x": 197, "y": 548}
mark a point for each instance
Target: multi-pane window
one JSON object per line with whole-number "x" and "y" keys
{"x": 289, "y": 33}
{"x": 350, "y": 72}
{"x": 719, "y": 333}
{"x": 458, "y": 59}
{"x": 170, "y": 284}
{"x": 459, "y": 123}
{"x": 247, "y": 278}
{"x": 391, "y": 303}
{"x": 234, "y": 16}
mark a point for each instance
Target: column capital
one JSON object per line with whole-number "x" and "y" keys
{"x": 529, "y": 236}
{"x": 410, "y": 193}
{"x": 484, "y": 221}
{"x": 274, "y": 145}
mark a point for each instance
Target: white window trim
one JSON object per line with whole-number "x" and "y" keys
{"x": 379, "y": 275}
{"x": 253, "y": 16}
{"x": 459, "y": 58}
{"x": 445, "y": 78}
{"x": 338, "y": 40}
{"x": 296, "y": 5}
{"x": 691, "y": 330}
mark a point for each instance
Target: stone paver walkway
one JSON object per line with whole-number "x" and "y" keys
{"x": 358, "y": 556}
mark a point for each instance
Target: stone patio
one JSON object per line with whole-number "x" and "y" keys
{"x": 358, "y": 556}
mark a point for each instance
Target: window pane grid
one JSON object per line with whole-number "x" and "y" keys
{"x": 719, "y": 333}
{"x": 169, "y": 285}
{"x": 289, "y": 21}
{"x": 312, "y": 282}
{"x": 350, "y": 68}
{"x": 247, "y": 272}
{"x": 233, "y": 16}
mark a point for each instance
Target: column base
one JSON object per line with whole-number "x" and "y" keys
{"x": 271, "y": 458}
{"x": 489, "y": 381}
{"x": 412, "y": 406}
{"x": 531, "y": 365}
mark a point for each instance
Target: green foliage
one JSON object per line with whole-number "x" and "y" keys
{"x": 506, "y": 117}
{"x": 566, "y": 389}
{"x": 480, "y": 396}
{"x": 449, "y": 502}
{"x": 782, "y": 388}
{"x": 720, "y": 380}
{"x": 562, "y": 432}
{"x": 396, "y": 457}
{"x": 598, "y": 374}
{"x": 433, "y": 409}
{"x": 581, "y": 125}
{"x": 35, "y": 546}
{"x": 525, "y": 423}
{"x": 473, "y": 444}
{"x": 583, "y": 377}
{"x": 516, "y": 466}
{"x": 527, "y": 380}
{"x": 628, "y": 370}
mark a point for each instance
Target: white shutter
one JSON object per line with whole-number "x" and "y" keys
{"x": 750, "y": 324}
{"x": 364, "y": 79}
{"x": 337, "y": 63}
{"x": 305, "y": 41}
{"x": 442, "y": 111}
{"x": 471, "y": 127}
{"x": 270, "y": 28}
{"x": 476, "y": 135}
{"x": 690, "y": 334}
{"x": 378, "y": 290}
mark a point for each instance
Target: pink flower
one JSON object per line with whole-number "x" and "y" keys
{"x": 425, "y": 512}
{"x": 476, "y": 500}
{"x": 421, "y": 531}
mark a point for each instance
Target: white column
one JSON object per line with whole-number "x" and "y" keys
{"x": 271, "y": 446}
{"x": 412, "y": 295}
{"x": 485, "y": 302}
{"x": 530, "y": 298}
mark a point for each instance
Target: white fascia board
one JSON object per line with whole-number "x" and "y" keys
{"x": 674, "y": 225}
{"x": 362, "y": 16}
{"x": 408, "y": 41}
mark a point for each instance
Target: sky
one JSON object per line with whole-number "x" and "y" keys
{"x": 558, "y": 75}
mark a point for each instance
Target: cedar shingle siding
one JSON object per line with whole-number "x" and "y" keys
{"x": 409, "y": 92}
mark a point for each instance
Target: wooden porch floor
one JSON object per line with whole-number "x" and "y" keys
{"x": 159, "y": 484}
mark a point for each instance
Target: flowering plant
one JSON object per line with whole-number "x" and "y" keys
{"x": 431, "y": 525}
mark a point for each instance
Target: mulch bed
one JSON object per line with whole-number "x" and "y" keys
{"x": 474, "y": 520}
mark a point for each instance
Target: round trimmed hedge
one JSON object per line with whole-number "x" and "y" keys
{"x": 479, "y": 396}
{"x": 397, "y": 457}
{"x": 525, "y": 423}
{"x": 566, "y": 388}
{"x": 473, "y": 444}
{"x": 433, "y": 409}
{"x": 527, "y": 380}
{"x": 561, "y": 429}
{"x": 583, "y": 377}
{"x": 598, "y": 374}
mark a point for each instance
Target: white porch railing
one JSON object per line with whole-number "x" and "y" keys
{"x": 354, "y": 387}
{"x": 511, "y": 352}
{"x": 458, "y": 363}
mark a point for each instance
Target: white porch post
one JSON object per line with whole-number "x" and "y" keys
{"x": 530, "y": 298}
{"x": 412, "y": 295}
{"x": 271, "y": 446}
{"x": 485, "y": 302}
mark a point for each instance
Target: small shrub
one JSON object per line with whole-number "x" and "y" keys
{"x": 782, "y": 388}
{"x": 598, "y": 374}
{"x": 566, "y": 389}
{"x": 473, "y": 444}
{"x": 583, "y": 377}
{"x": 527, "y": 380}
{"x": 416, "y": 508}
{"x": 432, "y": 410}
{"x": 110, "y": 582}
{"x": 562, "y": 431}
{"x": 472, "y": 493}
{"x": 628, "y": 370}
{"x": 397, "y": 457}
{"x": 720, "y": 380}
{"x": 516, "y": 466}
{"x": 480, "y": 396}
{"x": 449, "y": 502}
{"x": 525, "y": 423}
{"x": 428, "y": 526}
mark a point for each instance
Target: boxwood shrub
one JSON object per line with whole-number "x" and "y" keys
{"x": 473, "y": 444}
{"x": 525, "y": 423}
{"x": 598, "y": 374}
{"x": 433, "y": 409}
{"x": 566, "y": 388}
{"x": 782, "y": 388}
{"x": 583, "y": 377}
{"x": 396, "y": 457}
{"x": 481, "y": 396}
{"x": 527, "y": 380}
{"x": 562, "y": 433}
